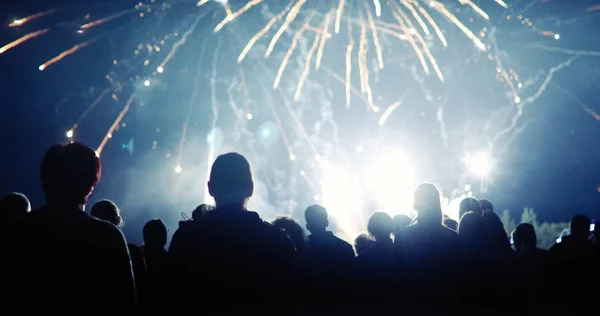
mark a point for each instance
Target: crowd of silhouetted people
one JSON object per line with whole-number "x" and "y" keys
{"x": 60, "y": 259}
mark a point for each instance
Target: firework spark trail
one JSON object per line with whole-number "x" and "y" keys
{"x": 324, "y": 39}
{"x": 500, "y": 67}
{"x": 307, "y": 62}
{"x": 388, "y": 112}
{"x": 582, "y": 105}
{"x": 235, "y": 15}
{"x": 291, "y": 16}
{"x": 298, "y": 123}
{"x": 201, "y": 3}
{"x": 26, "y": 19}
{"x": 262, "y": 32}
{"x": 182, "y": 41}
{"x": 352, "y": 89}
{"x": 214, "y": 105}
{"x": 377, "y": 5}
{"x": 502, "y": 3}
{"x": 362, "y": 62}
{"x": 412, "y": 42}
{"x": 432, "y": 60}
{"x": 92, "y": 106}
{"x": 431, "y": 22}
{"x": 23, "y": 39}
{"x": 338, "y": 15}
{"x": 475, "y": 8}
{"x": 376, "y": 41}
{"x": 193, "y": 100}
{"x": 66, "y": 53}
{"x": 290, "y": 51}
{"x": 115, "y": 124}
{"x": 416, "y": 16}
{"x": 348, "y": 82}
{"x": 568, "y": 51}
{"x": 442, "y": 10}
{"x": 529, "y": 100}
{"x": 107, "y": 19}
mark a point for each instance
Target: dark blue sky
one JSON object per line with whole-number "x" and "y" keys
{"x": 553, "y": 166}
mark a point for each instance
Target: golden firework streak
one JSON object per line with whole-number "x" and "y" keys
{"x": 290, "y": 51}
{"x": 288, "y": 20}
{"x": 66, "y": 53}
{"x": 23, "y": 39}
{"x": 307, "y": 62}
{"x": 231, "y": 17}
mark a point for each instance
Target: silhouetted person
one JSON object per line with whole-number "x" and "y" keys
{"x": 469, "y": 204}
{"x": 107, "y": 210}
{"x": 573, "y": 260}
{"x": 450, "y": 223}
{"x": 328, "y": 253}
{"x": 74, "y": 262}
{"x": 428, "y": 252}
{"x": 531, "y": 261}
{"x": 486, "y": 206}
{"x": 294, "y": 231}
{"x": 497, "y": 240}
{"x": 375, "y": 265}
{"x": 401, "y": 221}
{"x": 234, "y": 259}
{"x": 362, "y": 243}
{"x": 14, "y": 204}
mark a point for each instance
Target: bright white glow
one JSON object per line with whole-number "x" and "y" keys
{"x": 249, "y": 116}
{"x": 390, "y": 181}
{"x": 160, "y": 69}
{"x": 178, "y": 169}
{"x": 70, "y": 133}
{"x": 480, "y": 164}
{"x": 341, "y": 195}
{"x": 147, "y": 83}
{"x": 292, "y": 157}
{"x": 557, "y": 36}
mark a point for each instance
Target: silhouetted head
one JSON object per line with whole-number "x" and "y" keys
{"x": 155, "y": 233}
{"x": 486, "y": 206}
{"x": 108, "y": 211}
{"x": 380, "y": 226}
{"x": 427, "y": 204}
{"x": 401, "y": 221}
{"x": 231, "y": 181}
{"x": 469, "y": 205}
{"x": 450, "y": 223}
{"x": 69, "y": 173}
{"x": 471, "y": 228}
{"x": 293, "y": 230}
{"x": 496, "y": 236}
{"x": 316, "y": 218}
{"x": 200, "y": 211}
{"x": 14, "y": 204}
{"x": 362, "y": 243}
{"x": 524, "y": 237}
{"x": 580, "y": 226}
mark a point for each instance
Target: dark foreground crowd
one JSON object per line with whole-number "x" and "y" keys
{"x": 58, "y": 259}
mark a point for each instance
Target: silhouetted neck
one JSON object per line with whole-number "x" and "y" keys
{"x": 321, "y": 232}
{"x": 230, "y": 208}
{"x": 62, "y": 206}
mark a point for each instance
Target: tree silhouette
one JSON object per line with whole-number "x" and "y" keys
{"x": 546, "y": 232}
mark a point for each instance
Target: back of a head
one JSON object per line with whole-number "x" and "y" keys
{"x": 155, "y": 233}
{"x": 496, "y": 235}
{"x": 69, "y": 173}
{"x": 469, "y": 204}
{"x": 580, "y": 226}
{"x": 316, "y": 218}
{"x": 14, "y": 204}
{"x": 380, "y": 225}
{"x": 362, "y": 243}
{"x": 401, "y": 221}
{"x": 200, "y": 211}
{"x": 293, "y": 229}
{"x": 486, "y": 206}
{"x": 427, "y": 203}
{"x": 452, "y": 224}
{"x": 470, "y": 227}
{"x": 108, "y": 211}
{"x": 231, "y": 180}
{"x": 524, "y": 236}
